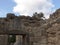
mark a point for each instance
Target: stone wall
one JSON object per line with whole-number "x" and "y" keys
{"x": 3, "y": 39}
{"x": 41, "y": 31}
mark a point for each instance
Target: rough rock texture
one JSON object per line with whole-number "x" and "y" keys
{"x": 41, "y": 31}
{"x": 54, "y": 30}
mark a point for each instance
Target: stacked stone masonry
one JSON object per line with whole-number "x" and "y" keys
{"x": 34, "y": 30}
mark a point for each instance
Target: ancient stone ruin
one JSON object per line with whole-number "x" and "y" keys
{"x": 26, "y": 30}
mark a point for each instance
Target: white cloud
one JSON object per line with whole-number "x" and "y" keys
{"x": 28, "y": 7}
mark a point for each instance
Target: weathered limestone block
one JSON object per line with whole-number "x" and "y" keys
{"x": 3, "y": 39}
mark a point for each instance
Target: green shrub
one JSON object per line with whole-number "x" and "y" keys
{"x": 12, "y": 38}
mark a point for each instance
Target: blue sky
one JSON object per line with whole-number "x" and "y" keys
{"x": 6, "y": 6}
{"x": 56, "y": 3}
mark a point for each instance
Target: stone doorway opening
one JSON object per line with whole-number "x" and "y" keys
{"x": 17, "y": 40}
{"x": 14, "y": 37}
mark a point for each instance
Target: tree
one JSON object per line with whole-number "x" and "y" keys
{"x": 38, "y": 15}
